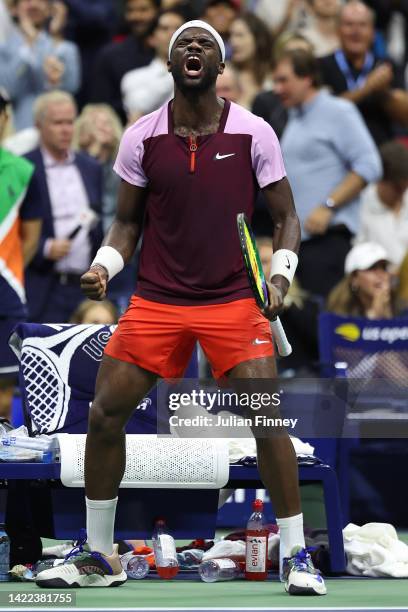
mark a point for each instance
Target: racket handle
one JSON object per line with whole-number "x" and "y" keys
{"x": 284, "y": 348}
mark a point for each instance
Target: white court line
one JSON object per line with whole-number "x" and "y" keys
{"x": 201, "y": 609}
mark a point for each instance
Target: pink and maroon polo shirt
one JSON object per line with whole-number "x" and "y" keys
{"x": 190, "y": 252}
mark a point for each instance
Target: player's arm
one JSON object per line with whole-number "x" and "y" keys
{"x": 125, "y": 231}
{"x": 121, "y": 240}
{"x": 286, "y": 239}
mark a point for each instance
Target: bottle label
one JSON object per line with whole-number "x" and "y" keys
{"x": 255, "y": 560}
{"x": 224, "y": 563}
{"x": 167, "y": 549}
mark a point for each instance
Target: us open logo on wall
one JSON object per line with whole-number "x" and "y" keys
{"x": 375, "y": 333}
{"x": 348, "y": 331}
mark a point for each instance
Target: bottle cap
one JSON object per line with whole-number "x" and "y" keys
{"x": 257, "y": 505}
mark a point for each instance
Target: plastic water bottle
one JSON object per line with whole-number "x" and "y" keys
{"x": 217, "y": 570}
{"x": 135, "y": 566}
{"x": 4, "y": 554}
{"x": 256, "y": 554}
{"x": 165, "y": 553}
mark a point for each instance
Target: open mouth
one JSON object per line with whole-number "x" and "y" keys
{"x": 193, "y": 66}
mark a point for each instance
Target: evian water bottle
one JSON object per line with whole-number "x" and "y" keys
{"x": 256, "y": 556}
{"x": 165, "y": 554}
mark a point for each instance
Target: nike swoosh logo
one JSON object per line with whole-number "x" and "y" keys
{"x": 257, "y": 341}
{"x": 288, "y": 264}
{"x": 218, "y": 156}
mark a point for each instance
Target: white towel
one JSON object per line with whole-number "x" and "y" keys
{"x": 374, "y": 550}
{"x": 246, "y": 447}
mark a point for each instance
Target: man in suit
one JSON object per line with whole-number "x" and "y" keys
{"x": 70, "y": 187}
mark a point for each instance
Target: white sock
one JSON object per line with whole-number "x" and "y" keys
{"x": 291, "y": 534}
{"x": 100, "y": 521}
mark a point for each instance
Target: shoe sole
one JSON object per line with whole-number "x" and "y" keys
{"x": 89, "y": 581}
{"x": 295, "y": 590}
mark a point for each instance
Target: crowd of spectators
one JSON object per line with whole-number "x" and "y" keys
{"x": 330, "y": 76}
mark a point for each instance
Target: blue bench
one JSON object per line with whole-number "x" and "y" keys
{"x": 190, "y": 513}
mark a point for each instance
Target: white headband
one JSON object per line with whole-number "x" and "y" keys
{"x": 196, "y": 23}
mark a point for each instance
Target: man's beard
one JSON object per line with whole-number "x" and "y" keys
{"x": 201, "y": 85}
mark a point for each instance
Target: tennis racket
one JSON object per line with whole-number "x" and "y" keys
{"x": 257, "y": 281}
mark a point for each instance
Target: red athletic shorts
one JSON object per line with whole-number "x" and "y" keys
{"x": 161, "y": 337}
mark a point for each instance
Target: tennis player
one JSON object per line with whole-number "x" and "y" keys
{"x": 187, "y": 169}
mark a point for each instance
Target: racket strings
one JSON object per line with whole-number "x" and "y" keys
{"x": 43, "y": 389}
{"x": 252, "y": 262}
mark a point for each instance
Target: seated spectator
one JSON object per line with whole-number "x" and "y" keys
{"x": 98, "y": 131}
{"x": 267, "y": 104}
{"x": 36, "y": 58}
{"x": 145, "y": 89}
{"x": 116, "y": 59}
{"x": 365, "y": 291}
{"x": 69, "y": 186}
{"x": 221, "y": 14}
{"x": 251, "y": 45}
{"x": 355, "y": 73}
{"x": 322, "y": 28}
{"x": 384, "y": 205}
{"x": 91, "y": 312}
{"x": 329, "y": 157}
{"x": 227, "y": 85}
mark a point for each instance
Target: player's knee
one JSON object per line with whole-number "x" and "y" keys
{"x": 104, "y": 422}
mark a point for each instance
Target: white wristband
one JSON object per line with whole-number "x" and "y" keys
{"x": 284, "y": 263}
{"x": 111, "y": 259}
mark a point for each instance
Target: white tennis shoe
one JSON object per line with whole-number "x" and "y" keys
{"x": 300, "y": 575}
{"x": 84, "y": 568}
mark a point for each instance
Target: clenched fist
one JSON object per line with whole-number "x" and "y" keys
{"x": 94, "y": 282}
